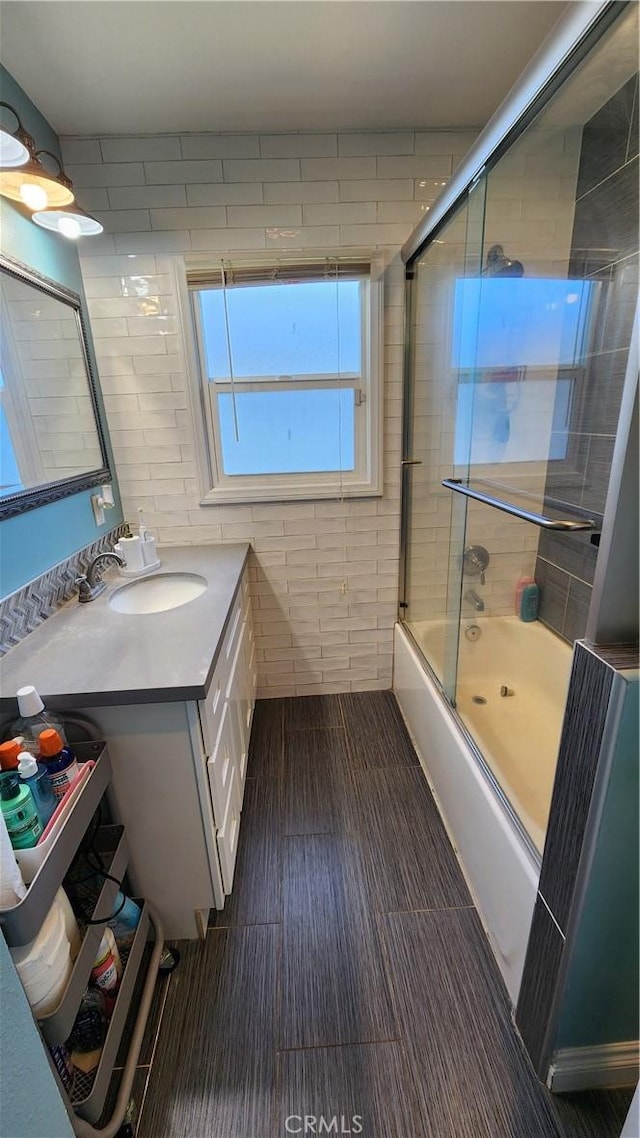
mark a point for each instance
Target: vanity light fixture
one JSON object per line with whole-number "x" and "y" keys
{"x": 25, "y": 179}
{"x": 15, "y": 146}
{"x": 70, "y": 220}
{"x": 34, "y": 186}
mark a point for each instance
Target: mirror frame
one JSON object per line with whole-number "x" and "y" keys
{"x": 33, "y": 498}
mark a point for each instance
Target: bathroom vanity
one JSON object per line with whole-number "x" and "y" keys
{"x": 173, "y": 691}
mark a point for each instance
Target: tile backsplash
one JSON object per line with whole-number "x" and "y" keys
{"x": 21, "y": 612}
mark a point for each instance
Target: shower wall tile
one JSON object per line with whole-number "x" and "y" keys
{"x": 539, "y": 982}
{"x": 589, "y": 738}
{"x": 582, "y": 732}
{"x": 596, "y": 482}
{"x": 604, "y": 248}
{"x": 577, "y": 610}
{"x": 573, "y": 553}
{"x": 606, "y": 217}
{"x": 554, "y": 591}
{"x": 605, "y": 138}
{"x": 601, "y": 400}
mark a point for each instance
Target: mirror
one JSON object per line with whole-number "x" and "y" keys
{"x": 51, "y": 438}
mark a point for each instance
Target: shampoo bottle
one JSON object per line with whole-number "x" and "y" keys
{"x": 527, "y": 599}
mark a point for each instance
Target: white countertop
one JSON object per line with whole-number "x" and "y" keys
{"x": 88, "y": 655}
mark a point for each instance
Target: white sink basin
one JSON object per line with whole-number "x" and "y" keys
{"x": 158, "y": 593}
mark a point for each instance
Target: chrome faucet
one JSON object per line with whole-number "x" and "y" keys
{"x": 90, "y": 584}
{"x": 473, "y": 599}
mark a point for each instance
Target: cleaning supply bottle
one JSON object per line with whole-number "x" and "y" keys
{"x": 60, "y": 762}
{"x": 34, "y": 718}
{"x": 107, "y": 969}
{"x": 124, "y": 921}
{"x": 35, "y": 776}
{"x": 20, "y": 814}
{"x": 9, "y": 752}
{"x": 527, "y": 599}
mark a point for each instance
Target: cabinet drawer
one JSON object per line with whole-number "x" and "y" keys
{"x": 233, "y": 628}
{"x": 227, "y": 836}
{"x": 220, "y": 767}
{"x": 212, "y": 707}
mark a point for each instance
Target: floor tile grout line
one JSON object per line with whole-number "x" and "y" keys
{"x": 412, "y": 912}
{"x": 334, "y": 1046}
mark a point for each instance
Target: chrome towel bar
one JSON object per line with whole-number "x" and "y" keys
{"x": 562, "y": 524}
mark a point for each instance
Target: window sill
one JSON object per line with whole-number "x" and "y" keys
{"x": 254, "y": 496}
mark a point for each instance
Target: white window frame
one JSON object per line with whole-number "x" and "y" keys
{"x": 366, "y": 479}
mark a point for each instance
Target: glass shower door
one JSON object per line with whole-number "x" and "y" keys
{"x": 434, "y": 521}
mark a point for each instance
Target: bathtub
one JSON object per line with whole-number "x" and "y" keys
{"x": 501, "y": 864}
{"x": 518, "y": 734}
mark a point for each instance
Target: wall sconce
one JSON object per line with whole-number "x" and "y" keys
{"x": 25, "y": 179}
{"x": 14, "y": 147}
{"x": 70, "y": 220}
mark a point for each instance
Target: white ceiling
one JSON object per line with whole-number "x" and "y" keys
{"x": 138, "y": 66}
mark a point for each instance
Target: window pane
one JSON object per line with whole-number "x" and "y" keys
{"x": 10, "y": 480}
{"x": 288, "y": 432}
{"x": 283, "y": 329}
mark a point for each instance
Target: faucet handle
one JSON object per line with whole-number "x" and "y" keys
{"x": 84, "y": 588}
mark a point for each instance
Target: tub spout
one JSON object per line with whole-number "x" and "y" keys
{"x": 473, "y": 599}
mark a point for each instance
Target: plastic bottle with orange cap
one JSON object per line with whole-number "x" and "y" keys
{"x": 60, "y": 761}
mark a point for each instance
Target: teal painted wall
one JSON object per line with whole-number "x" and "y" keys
{"x": 601, "y": 997}
{"x": 39, "y": 539}
{"x": 30, "y": 1104}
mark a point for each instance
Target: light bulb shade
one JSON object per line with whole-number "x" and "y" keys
{"x": 16, "y": 147}
{"x": 34, "y": 173}
{"x": 65, "y": 220}
{"x": 13, "y": 152}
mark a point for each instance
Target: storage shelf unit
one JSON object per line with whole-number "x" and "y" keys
{"x": 22, "y": 922}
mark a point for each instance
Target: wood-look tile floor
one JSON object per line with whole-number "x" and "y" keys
{"x": 348, "y": 976}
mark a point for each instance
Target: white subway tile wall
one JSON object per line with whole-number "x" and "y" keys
{"x": 324, "y": 575}
{"x": 54, "y": 420}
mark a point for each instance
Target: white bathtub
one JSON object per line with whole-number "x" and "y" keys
{"x": 519, "y": 734}
{"x": 500, "y": 867}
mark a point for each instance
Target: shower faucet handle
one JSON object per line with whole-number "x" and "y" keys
{"x": 475, "y": 561}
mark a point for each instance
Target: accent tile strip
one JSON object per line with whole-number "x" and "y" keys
{"x": 21, "y": 612}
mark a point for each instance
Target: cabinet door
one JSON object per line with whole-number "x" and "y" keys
{"x": 227, "y": 836}
{"x": 221, "y": 765}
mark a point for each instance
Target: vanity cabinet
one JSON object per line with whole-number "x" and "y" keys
{"x": 178, "y": 776}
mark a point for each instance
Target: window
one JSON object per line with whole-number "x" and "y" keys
{"x": 288, "y": 359}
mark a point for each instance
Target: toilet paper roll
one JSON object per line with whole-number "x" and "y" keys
{"x": 131, "y": 550}
{"x": 12, "y": 887}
